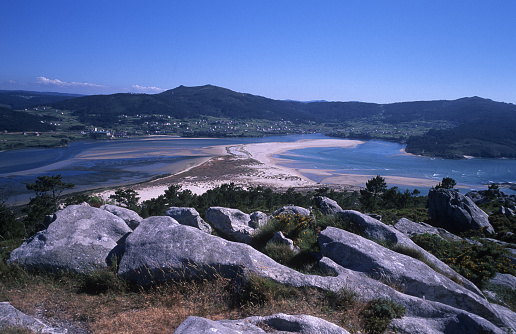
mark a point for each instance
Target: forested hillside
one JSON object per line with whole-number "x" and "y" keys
{"x": 18, "y": 99}
{"x": 468, "y": 126}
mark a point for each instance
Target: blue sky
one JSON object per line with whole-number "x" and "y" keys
{"x": 373, "y": 51}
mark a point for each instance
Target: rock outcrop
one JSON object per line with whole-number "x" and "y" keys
{"x": 276, "y": 323}
{"x": 80, "y": 239}
{"x": 327, "y": 206}
{"x": 11, "y": 318}
{"x": 455, "y": 212}
{"x": 189, "y": 217}
{"x": 376, "y": 230}
{"x": 279, "y": 238}
{"x": 131, "y": 218}
{"x": 231, "y": 223}
{"x": 291, "y": 210}
{"x": 258, "y": 219}
{"x": 406, "y": 274}
{"x": 410, "y": 229}
{"x": 162, "y": 249}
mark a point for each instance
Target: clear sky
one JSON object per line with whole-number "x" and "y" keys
{"x": 373, "y": 51}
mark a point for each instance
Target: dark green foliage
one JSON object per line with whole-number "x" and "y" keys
{"x": 259, "y": 291}
{"x": 10, "y": 227}
{"x": 378, "y": 313}
{"x": 11, "y": 121}
{"x": 503, "y": 225}
{"x": 474, "y": 262}
{"x": 100, "y": 281}
{"x": 342, "y": 299}
{"x": 376, "y": 196}
{"x": 48, "y": 190}
{"x": 370, "y": 196}
{"x": 446, "y": 183}
{"x": 127, "y": 198}
{"x": 20, "y": 99}
{"x": 154, "y": 207}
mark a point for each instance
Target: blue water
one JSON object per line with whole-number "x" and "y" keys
{"x": 154, "y": 156}
{"x": 387, "y": 159}
{"x": 109, "y": 167}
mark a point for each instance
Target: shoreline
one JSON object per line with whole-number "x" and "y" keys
{"x": 254, "y": 164}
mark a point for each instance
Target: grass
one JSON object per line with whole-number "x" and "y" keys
{"x": 102, "y": 303}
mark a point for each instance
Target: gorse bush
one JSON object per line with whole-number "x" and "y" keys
{"x": 474, "y": 262}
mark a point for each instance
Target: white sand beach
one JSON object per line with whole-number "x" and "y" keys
{"x": 251, "y": 165}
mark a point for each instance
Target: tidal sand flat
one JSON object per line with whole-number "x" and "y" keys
{"x": 257, "y": 164}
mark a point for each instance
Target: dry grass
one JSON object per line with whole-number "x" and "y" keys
{"x": 58, "y": 300}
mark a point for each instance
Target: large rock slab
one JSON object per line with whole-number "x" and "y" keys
{"x": 131, "y": 218}
{"x": 410, "y": 229}
{"x": 165, "y": 250}
{"x": 327, "y": 206}
{"x": 10, "y": 318}
{"x": 504, "y": 280}
{"x": 80, "y": 239}
{"x": 276, "y": 323}
{"x": 232, "y": 224}
{"x": 291, "y": 210}
{"x": 189, "y": 217}
{"x": 456, "y": 212}
{"x": 375, "y": 230}
{"x": 410, "y": 276}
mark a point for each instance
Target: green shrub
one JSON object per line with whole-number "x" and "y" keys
{"x": 378, "y": 313}
{"x": 476, "y": 263}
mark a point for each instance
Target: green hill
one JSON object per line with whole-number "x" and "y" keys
{"x": 448, "y": 128}
{"x": 20, "y": 99}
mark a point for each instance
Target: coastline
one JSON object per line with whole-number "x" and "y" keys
{"x": 252, "y": 165}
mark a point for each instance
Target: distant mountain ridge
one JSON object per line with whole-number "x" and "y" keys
{"x": 480, "y": 127}
{"x": 21, "y": 99}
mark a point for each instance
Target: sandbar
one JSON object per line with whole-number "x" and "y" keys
{"x": 255, "y": 164}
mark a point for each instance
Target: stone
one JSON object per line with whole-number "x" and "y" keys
{"x": 327, "y": 206}
{"x": 291, "y": 210}
{"x": 198, "y": 325}
{"x": 276, "y": 323}
{"x": 231, "y": 223}
{"x": 508, "y": 212}
{"x": 410, "y": 229}
{"x": 170, "y": 251}
{"x": 374, "y": 229}
{"x": 131, "y": 218}
{"x": 80, "y": 239}
{"x": 504, "y": 280}
{"x": 409, "y": 275}
{"x": 279, "y": 238}
{"x": 258, "y": 219}
{"x": 189, "y": 217}
{"x": 166, "y": 250}
{"x": 456, "y": 212}
{"x": 10, "y": 317}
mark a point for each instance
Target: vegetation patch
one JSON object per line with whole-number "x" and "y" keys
{"x": 474, "y": 262}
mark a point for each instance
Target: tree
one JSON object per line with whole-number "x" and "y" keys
{"x": 446, "y": 183}
{"x": 127, "y": 198}
{"x": 10, "y": 227}
{"x": 48, "y": 190}
{"x": 370, "y": 196}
